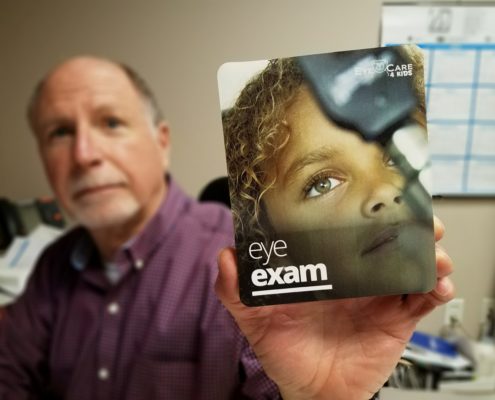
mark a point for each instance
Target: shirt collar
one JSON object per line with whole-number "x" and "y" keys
{"x": 139, "y": 247}
{"x": 82, "y": 252}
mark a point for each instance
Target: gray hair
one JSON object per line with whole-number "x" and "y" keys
{"x": 137, "y": 81}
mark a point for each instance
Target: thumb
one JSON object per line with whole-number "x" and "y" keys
{"x": 227, "y": 284}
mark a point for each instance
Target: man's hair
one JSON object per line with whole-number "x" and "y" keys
{"x": 145, "y": 91}
{"x": 137, "y": 81}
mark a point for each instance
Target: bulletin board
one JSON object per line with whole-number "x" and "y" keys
{"x": 458, "y": 43}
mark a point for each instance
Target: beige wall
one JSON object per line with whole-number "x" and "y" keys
{"x": 178, "y": 46}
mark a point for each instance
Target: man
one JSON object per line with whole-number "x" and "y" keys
{"x": 124, "y": 307}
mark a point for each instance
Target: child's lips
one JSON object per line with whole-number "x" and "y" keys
{"x": 381, "y": 239}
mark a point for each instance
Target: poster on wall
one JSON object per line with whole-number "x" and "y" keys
{"x": 458, "y": 42}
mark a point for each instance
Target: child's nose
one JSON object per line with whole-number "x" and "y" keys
{"x": 383, "y": 198}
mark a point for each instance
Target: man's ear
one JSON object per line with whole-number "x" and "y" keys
{"x": 163, "y": 138}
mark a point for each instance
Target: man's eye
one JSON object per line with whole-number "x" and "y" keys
{"x": 60, "y": 131}
{"x": 112, "y": 122}
{"x": 322, "y": 186}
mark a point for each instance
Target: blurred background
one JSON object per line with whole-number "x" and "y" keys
{"x": 178, "y": 47}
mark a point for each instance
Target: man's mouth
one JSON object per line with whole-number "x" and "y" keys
{"x": 381, "y": 240}
{"x": 95, "y": 190}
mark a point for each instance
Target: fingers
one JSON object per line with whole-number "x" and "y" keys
{"x": 444, "y": 263}
{"x": 439, "y": 228}
{"x": 444, "y": 291}
{"x": 422, "y": 304}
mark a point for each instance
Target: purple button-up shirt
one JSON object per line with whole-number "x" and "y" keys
{"x": 158, "y": 333}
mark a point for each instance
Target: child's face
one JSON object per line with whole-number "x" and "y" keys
{"x": 329, "y": 177}
{"x": 343, "y": 193}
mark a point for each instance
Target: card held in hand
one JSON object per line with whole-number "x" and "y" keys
{"x": 328, "y": 175}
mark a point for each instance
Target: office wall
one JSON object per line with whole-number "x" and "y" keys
{"x": 178, "y": 46}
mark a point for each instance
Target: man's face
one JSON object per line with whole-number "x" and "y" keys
{"x": 338, "y": 199}
{"x": 103, "y": 156}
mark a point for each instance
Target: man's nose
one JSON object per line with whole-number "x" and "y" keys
{"x": 383, "y": 198}
{"x": 86, "y": 148}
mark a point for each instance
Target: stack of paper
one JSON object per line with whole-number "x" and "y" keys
{"x": 17, "y": 263}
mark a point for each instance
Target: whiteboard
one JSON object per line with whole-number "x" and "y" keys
{"x": 458, "y": 43}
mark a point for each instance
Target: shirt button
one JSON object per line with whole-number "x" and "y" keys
{"x": 103, "y": 374}
{"x": 139, "y": 264}
{"x": 113, "y": 308}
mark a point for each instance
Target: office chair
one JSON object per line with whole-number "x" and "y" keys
{"x": 217, "y": 190}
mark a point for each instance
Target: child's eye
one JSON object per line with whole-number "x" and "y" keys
{"x": 321, "y": 186}
{"x": 390, "y": 162}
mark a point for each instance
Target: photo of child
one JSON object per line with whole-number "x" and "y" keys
{"x": 324, "y": 196}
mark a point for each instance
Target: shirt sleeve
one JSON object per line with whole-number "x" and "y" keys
{"x": 24, "y": 339}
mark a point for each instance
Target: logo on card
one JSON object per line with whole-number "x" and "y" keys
{"x": 379, "y": 66}
{"x": 383, "y": 66}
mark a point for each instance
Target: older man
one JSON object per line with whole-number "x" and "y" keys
{"x": 123, "y": 307}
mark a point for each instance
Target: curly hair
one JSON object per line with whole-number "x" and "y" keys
{"x": 256, "y": 131}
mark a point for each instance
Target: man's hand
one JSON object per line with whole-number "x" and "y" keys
{"x": 336, "y": 349}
